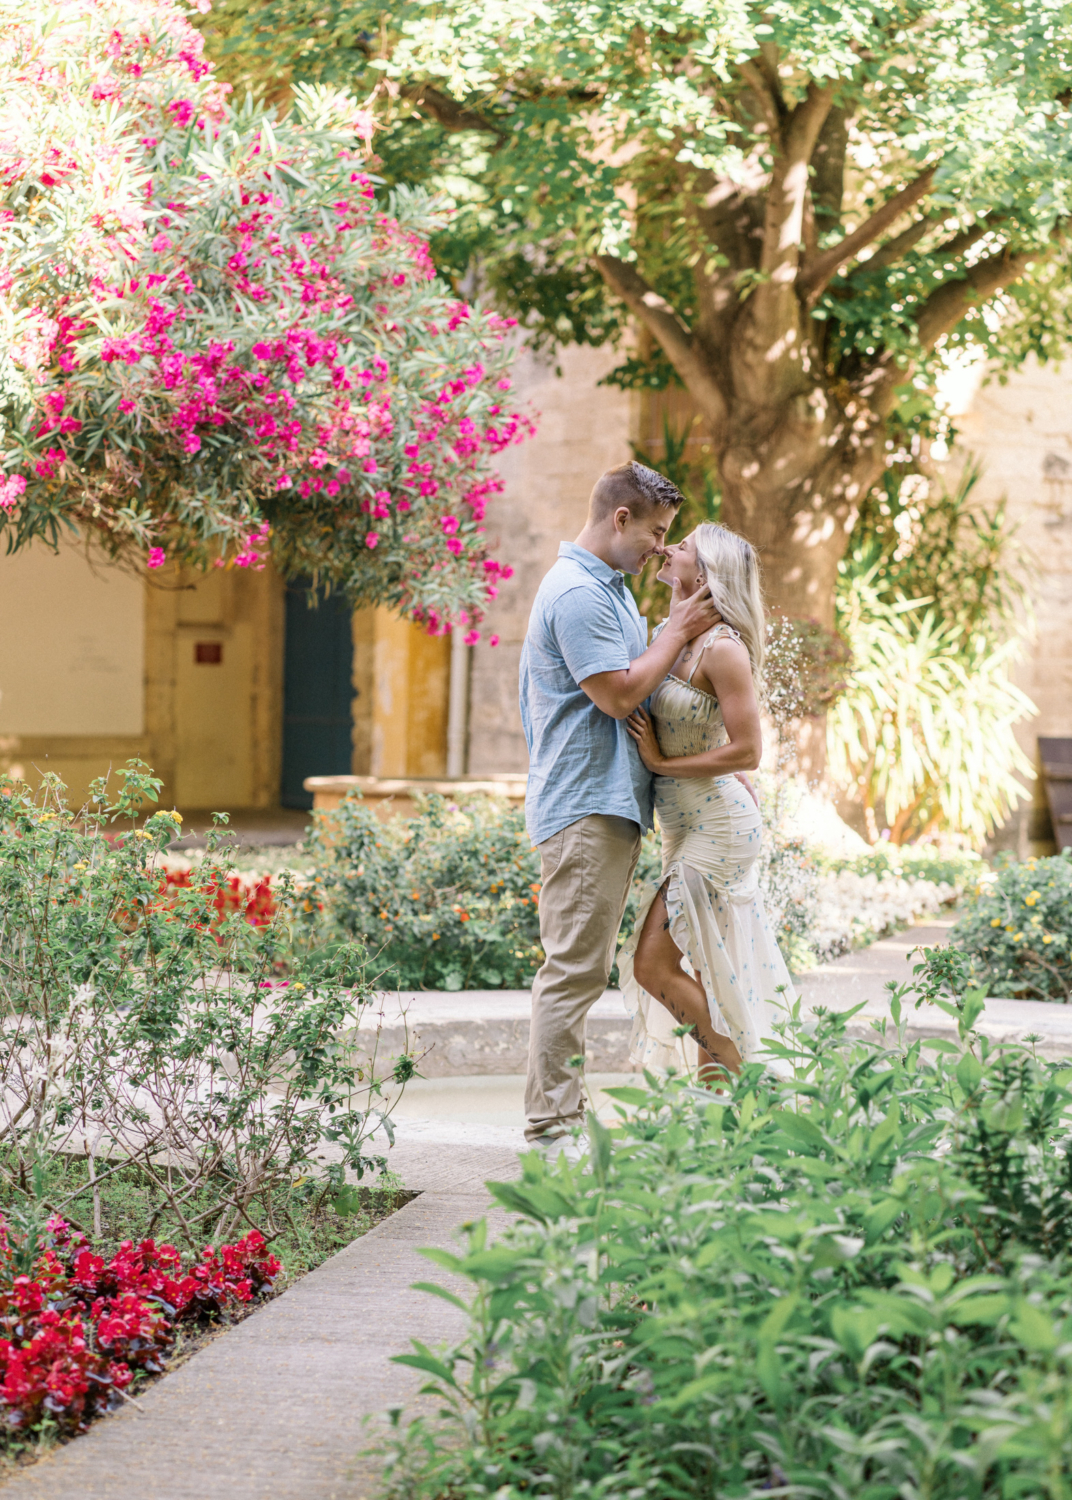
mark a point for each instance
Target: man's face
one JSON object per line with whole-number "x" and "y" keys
{"x": 639, "y": 538}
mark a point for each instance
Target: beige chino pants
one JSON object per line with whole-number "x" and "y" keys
{"x": 586, "y": 871}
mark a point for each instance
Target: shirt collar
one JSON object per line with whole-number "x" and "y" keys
{"x": 593, "y": 564}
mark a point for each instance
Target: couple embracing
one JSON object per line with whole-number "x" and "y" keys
{"x": 702, "y": 955}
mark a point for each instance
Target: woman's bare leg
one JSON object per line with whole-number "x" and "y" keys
{"x": 657, "y": 967}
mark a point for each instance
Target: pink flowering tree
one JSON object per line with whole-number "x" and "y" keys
{"x": 218, "y": 345}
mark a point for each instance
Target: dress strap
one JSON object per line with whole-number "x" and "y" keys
{"x": 712, "y": 635}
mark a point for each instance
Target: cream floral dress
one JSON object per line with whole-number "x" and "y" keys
{"x": 711, "y": 833}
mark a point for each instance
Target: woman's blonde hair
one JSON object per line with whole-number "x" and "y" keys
{"x": 731, "y": 571}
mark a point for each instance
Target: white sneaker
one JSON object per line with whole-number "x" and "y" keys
{"x": 573, "y": 1149}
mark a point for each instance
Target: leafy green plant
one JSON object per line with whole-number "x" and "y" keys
{"x": 851, "y": 1281}
{"x": 937, "y": 540}
{"x": 931, "y": 599}
{"x": 1017, "y": 930}
{"x": 448, "y": 899}
{"x": 143, "y": 1025}
{"x": 924, "y": 728}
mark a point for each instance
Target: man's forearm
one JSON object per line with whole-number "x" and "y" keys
{"x": 626, "y": 690}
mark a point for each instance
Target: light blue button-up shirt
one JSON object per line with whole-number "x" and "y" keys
{"x": 581, "y": 760}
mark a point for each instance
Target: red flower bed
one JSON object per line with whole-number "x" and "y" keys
{"x": 253, "y": 899}
{"x": 73, "y": 1333}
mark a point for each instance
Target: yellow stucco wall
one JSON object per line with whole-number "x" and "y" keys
{"x": 402, "y": 677}
{"x": 72, "y": 665}
{"x": 100, "y": 664}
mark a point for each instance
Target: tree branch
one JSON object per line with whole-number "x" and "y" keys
{"x": 948, "y": 303}
{"x": 901, "y": 243}
{"x": 789, "y": 184}
{"x": 767, "y": 101}
{"x": 673, "y": 336}
{"x": 448, "y": 113}
{"x": 968, "y": 237}
{"x": 815, "y": 277}
{"x": 941, "y": 313}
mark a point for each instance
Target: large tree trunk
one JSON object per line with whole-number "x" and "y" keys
{"x": 796, "y": 502}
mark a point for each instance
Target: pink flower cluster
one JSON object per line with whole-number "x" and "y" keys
{"x": 357, "y": 409}
{"x": 74, "y": 1332}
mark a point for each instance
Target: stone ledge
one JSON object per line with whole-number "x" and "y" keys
{"x": 397, "y": 796}
{"x": 483, "y": 1032}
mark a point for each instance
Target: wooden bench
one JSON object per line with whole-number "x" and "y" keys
{"x": 1056, "y": 757}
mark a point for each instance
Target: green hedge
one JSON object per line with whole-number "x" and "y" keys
{"x": 449, "y": 899}
{"x": 852, "y": 1286}
{"x": 446, "y": 900}
{"x": 913, "y": 862}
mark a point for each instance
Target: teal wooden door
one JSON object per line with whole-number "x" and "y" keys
{"x": 318, "y": 692}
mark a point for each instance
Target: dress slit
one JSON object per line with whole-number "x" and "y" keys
{"x": 711, "y": 834}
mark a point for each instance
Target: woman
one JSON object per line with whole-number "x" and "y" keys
{"x": 703, "y": 954}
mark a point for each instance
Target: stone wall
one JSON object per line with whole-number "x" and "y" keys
{"x": 1022, "y": 433}
{"x": 584, "y": 428}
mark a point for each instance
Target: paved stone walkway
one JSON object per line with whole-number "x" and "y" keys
{"x": 862, "y": 976}
{"x": 278, "y": 1407}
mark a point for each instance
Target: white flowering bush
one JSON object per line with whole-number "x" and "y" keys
{"x": 854, "y": 909}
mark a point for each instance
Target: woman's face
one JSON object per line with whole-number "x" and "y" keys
{"x": 680, "y": 562}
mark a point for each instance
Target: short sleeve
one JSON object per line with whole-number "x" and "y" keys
{"x": 588, "y": 632}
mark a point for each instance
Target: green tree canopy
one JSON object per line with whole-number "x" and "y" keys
{"x": 802, "y": 204}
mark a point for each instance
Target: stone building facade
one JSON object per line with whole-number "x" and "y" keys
{"x": 196, "y": 674}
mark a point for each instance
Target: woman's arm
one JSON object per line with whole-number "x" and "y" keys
{"x": 726, "y": 672}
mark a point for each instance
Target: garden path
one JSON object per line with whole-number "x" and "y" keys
{"x": 279, "y": 1406}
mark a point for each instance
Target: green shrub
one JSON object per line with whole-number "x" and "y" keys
{"x": 449, "y": 899}
{"x": 160, "y": 1027}
{"x": 855, "y": 1283}
{"x": 1017, "y": 931}
{"x": 446, "y": 900}
{"x": 930, "y": 595}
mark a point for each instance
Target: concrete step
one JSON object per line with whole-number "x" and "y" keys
{"x": 484, "y": 1033}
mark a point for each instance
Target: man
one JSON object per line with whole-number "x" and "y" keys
{"x": 585, "y": 667}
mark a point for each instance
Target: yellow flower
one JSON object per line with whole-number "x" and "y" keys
{"x": 1010, "y": 929}
{"x": 1031, "y": 898}
{"x": 176, "y": 815}
{"x": 297, "y": 986}
{"x": 1047, "y": 937}
{"x": 995, "y": 922}
{"x": 1018, "y": 937}
{"x": 435, "y": 937}
{"x": 81, "y": 865}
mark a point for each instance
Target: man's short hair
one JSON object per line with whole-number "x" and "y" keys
{"x": 635, "y": 486}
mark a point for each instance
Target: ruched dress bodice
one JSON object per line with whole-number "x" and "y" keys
{"x": 688, "y": 721}
{"x": 711, "y": 833}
